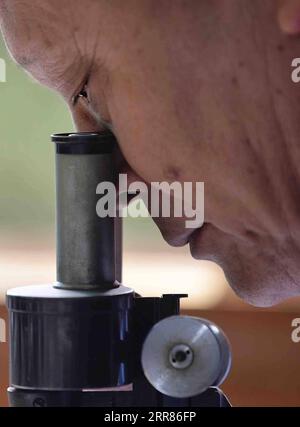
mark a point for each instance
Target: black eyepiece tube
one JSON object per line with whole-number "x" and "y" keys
{"x": 88, "y": 247}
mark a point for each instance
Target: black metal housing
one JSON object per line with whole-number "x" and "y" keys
{"x": 70, "y": 340}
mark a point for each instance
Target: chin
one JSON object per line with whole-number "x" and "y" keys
{"x": 262, "y": 298}
{"x": 262, "y": 286}
{"x": 257, "y": 273}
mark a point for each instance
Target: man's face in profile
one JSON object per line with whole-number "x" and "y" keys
{"x": 194, "y": 91}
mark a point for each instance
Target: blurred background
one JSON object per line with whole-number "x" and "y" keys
{"x": 265, "y": 360}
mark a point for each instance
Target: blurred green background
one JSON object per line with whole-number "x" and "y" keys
{"x": 29, "y": 114}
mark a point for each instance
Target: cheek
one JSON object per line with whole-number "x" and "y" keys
{"x": 146, "y": 126}
{"x": 131, "y": 129}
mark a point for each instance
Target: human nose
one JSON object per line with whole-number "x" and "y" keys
{"x": 84, "y": 120}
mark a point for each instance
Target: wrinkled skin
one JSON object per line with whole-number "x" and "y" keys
{"x": 195, "y": 90}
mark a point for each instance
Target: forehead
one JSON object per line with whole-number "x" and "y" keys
{"x": 60, "y": 67}
{"x": 42, "y": 42}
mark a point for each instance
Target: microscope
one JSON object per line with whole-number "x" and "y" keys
{"x": 88, "y": 340}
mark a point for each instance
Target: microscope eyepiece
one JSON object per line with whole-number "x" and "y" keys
{"x": 88, "y": 247}
{"x": 84, "y": 142}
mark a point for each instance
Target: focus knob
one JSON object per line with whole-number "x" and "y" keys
{"x": 182, "y": 356}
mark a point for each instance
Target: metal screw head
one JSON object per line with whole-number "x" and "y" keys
{"x": 181, "y": 356}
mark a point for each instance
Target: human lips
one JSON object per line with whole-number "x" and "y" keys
{"x": 201, "y": 246}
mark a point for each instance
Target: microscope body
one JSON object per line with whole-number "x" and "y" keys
{"x": 87, "y": 340}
